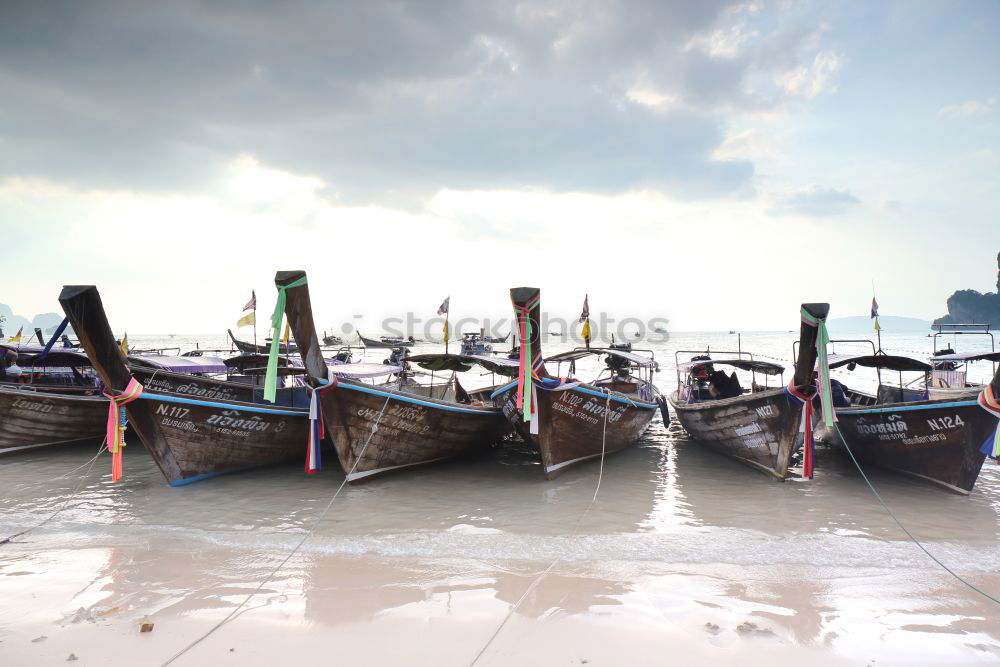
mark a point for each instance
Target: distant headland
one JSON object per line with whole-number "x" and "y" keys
{"x": 968, "y": 306}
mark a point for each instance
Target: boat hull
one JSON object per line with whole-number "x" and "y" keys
{"x": 192, "y": 439}
{"x": 572, "y": 427}
{"x": 31, "y": 418}
{"x": 412, "y": 430}
{"x": 936, "y": 441}
{"x": 760, "y": 429}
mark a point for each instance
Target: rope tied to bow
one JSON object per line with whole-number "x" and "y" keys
{"x": 118, "y": 422}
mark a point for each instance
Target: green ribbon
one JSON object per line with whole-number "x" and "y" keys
{"x": 271, "y": 378}
{"x": 529, "y": 385}
{"x": 822, "y": 340}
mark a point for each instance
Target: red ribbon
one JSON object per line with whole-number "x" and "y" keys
{"x": 805, "y": 427}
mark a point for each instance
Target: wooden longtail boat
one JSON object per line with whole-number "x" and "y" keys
{"x": 55, "y": 401}
{"x": 940, "y": 440}
{"x": 759, "y": 428}
{"x": 569, "y": 421}
{"x": 190, "y": 437}
{"x": 416, "y": 424}
{"x": 247, "y": 347}
{"x": 386, "y": 342}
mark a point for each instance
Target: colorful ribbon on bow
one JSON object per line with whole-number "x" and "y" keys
{"x": 988, "y": 401}
{"x": 825, "y": 392}
{"x": 317, "y": 427}
{"x": 118, "y": 422}
{"x": 528, "y": 365}
{"x": 271, "y": 378}
{"x": 805, "y": 427}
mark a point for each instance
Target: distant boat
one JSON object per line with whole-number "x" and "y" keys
{"x": 330, "y": 339}
{"x": 387, "y": 342}
{"x": 660, "y": 330}
{"x": 474, "y": 343}
{"x": 249, "y": 348}
{"x": 493, "y": 339}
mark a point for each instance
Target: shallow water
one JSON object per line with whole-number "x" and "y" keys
{"x": 683, "y": 554}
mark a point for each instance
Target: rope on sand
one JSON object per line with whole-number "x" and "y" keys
{"x": 295, "y": 550}
{"x": 576, "y": 529}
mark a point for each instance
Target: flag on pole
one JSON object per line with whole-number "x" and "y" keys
{"x": 252, "y": 303}
{"x": 585, "y": 318}
{"x": 124, "y": 344}
{"x": 443, "y": 309}
{"x": 16, "y": 338}
{"x": 286, "y": 334}
{"x": 247, "y": 320}
{"x": 874, "y": 308}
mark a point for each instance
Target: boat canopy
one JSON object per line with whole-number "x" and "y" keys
{"x": 363, "y": 370}
{"x": 175, "y": 364}
{"x": 970, "y": 356}
{"x": 580, "y": 353}
{"x": 885, "y": 361}
{"x": 464, "y": 362}
{"x": 765, "y": 367}
{"x": 55, "y": 359}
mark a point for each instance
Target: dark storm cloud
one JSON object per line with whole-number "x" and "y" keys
{"x": 370, "y": 96}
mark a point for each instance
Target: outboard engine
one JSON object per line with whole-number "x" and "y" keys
{"x": 398, "y": 358}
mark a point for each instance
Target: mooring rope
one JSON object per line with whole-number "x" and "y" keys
{"x": 576, "y": 529}
{"x": 76, "y": 491}
{"x": 903, "y": 528}
{"x": 298, "y": 546}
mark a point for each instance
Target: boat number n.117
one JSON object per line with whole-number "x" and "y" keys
{"x": 945, "y": 423}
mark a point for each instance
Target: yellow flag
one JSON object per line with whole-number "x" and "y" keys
{"x": 247, "y": 320}
{"x": 446, "y": 331}
{"x": 16, "y": 338}
{"x": 877, "y": 327}
{"x": 286, "y": 334}
{"x": 124, "y": 345}
{"x": 586, "y": 332}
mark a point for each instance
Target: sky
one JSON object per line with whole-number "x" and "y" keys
{"x": 711, "y": 163}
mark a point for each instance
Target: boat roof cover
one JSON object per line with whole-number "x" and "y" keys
{"x": 363, "y": 370}
{"x": 464, "y": 362}
{"x": 887, "y": 361}
{"x": 765, "y": 367}
{"x": 580, "y": 353}
{"x": 970, "y": 356}
{"x": 54, "y": 358}
{"x": 176, "y": 364}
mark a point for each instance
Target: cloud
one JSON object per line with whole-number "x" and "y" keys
{"x": 808, "y": 81}
{"x": 967, "y": 109}
{"x": 816, "y": 201}
{"x": 386, "y": 100}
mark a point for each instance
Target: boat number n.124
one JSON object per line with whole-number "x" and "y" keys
{"x": 945, "y": 423}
